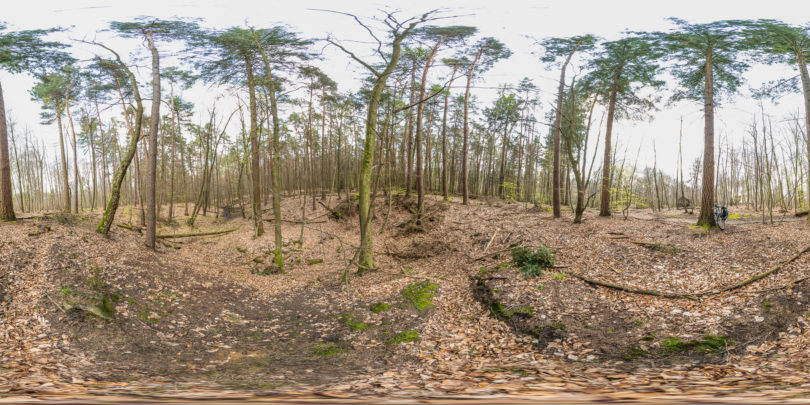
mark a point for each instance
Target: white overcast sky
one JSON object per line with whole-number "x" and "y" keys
{"x": 508, "y": 20}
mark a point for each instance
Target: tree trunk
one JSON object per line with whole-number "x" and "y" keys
{"x": 806, "y": 95}
{"x": 65, "y": 176}
{"x": 115, "y": 191}
{"x": 707, "y": 200}
{"x": 6, "y": 202}
{"x": 444, "y": 135}
{"x": 254, "y": 153}
{"x": 276, "y": 168}
{"x": 604, "y": 203}
{"x": 555, "y": 176}
{"x": 420, "y": 189}
{"x": 151, "y": 153}
{"x": 75, "y": 155}
{"x": 464, "y": 190}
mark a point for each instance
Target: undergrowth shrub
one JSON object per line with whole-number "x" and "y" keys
{"x": 532, "y": 263}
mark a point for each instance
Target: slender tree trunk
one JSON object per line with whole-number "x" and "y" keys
{"x": 444, "y": 134}
{"x": 464, "y": 147}
{"x": 420, "y": 189}
{"x": 555, "y": 176}
{"x": 255, "y": 175}
{"x": 151, "y": 162}
{"x": 65, "y": 176}
{"x": 276, "y": 168}
{"x": 75, "y": 154}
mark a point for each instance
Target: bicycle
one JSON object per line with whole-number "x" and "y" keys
{"x": 720, "y": 216}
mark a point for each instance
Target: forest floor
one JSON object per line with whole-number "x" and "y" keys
{"x": 445, "y": 315}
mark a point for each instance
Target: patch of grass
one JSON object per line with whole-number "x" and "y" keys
{"x": 328, "y": 350}
{"x": 531, "y": 263}
{"x": 65, "y": 291}
{"x": 241, "y": 250}
{"x": 314, "y": 261}
{"x": 233, "y": 318}
{"x": 214, "y": 331}
{"x": 351, "y": 321}
{"x": 559, "y": 276}
{"x": 420, "y": 294}
{"x": 380, "y": 307}
{"x": 766, "y": 304}
{"x": 558, "y": 326}
{"x": 735, "y": 215}
{"x": 258, "y": 260}
{"x": 649, "y": 338}
{"x": 402, "y": 337}
{"x": 541, "y": 287}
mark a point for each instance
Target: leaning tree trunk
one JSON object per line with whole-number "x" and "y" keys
{"x": 151, "y": 153}
{"x": 707, "y": 202}
{"x": 115, "y": 191}
{"x": 6, "y": 203}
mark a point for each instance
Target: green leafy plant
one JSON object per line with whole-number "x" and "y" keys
{"x": 380, "y": 307}
{"x": 532, "y": 263}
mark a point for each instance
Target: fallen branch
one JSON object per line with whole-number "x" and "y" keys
{"x": 630, "y": 289}
{"x": 661, "y": 294}
{"x": 188, "y": 235}
{"x": 129, "y": 227}
{"x": 335, "y": 213}
{"x": 296, "y": 222}
{"x": 491, "y": 239}
{"x": 760, "y": 275}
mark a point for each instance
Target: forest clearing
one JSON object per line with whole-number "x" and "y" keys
{"x": 200, "y": 317}
{"x": 515, "y": 203}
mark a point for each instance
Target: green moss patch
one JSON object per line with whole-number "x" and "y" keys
{"x": 420, "y": 294}
{"x": 379, "y": 307}
{"x": 351, "y": 321}
{"x": 402, "y": 337}
{"x": 328, "y": 350}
